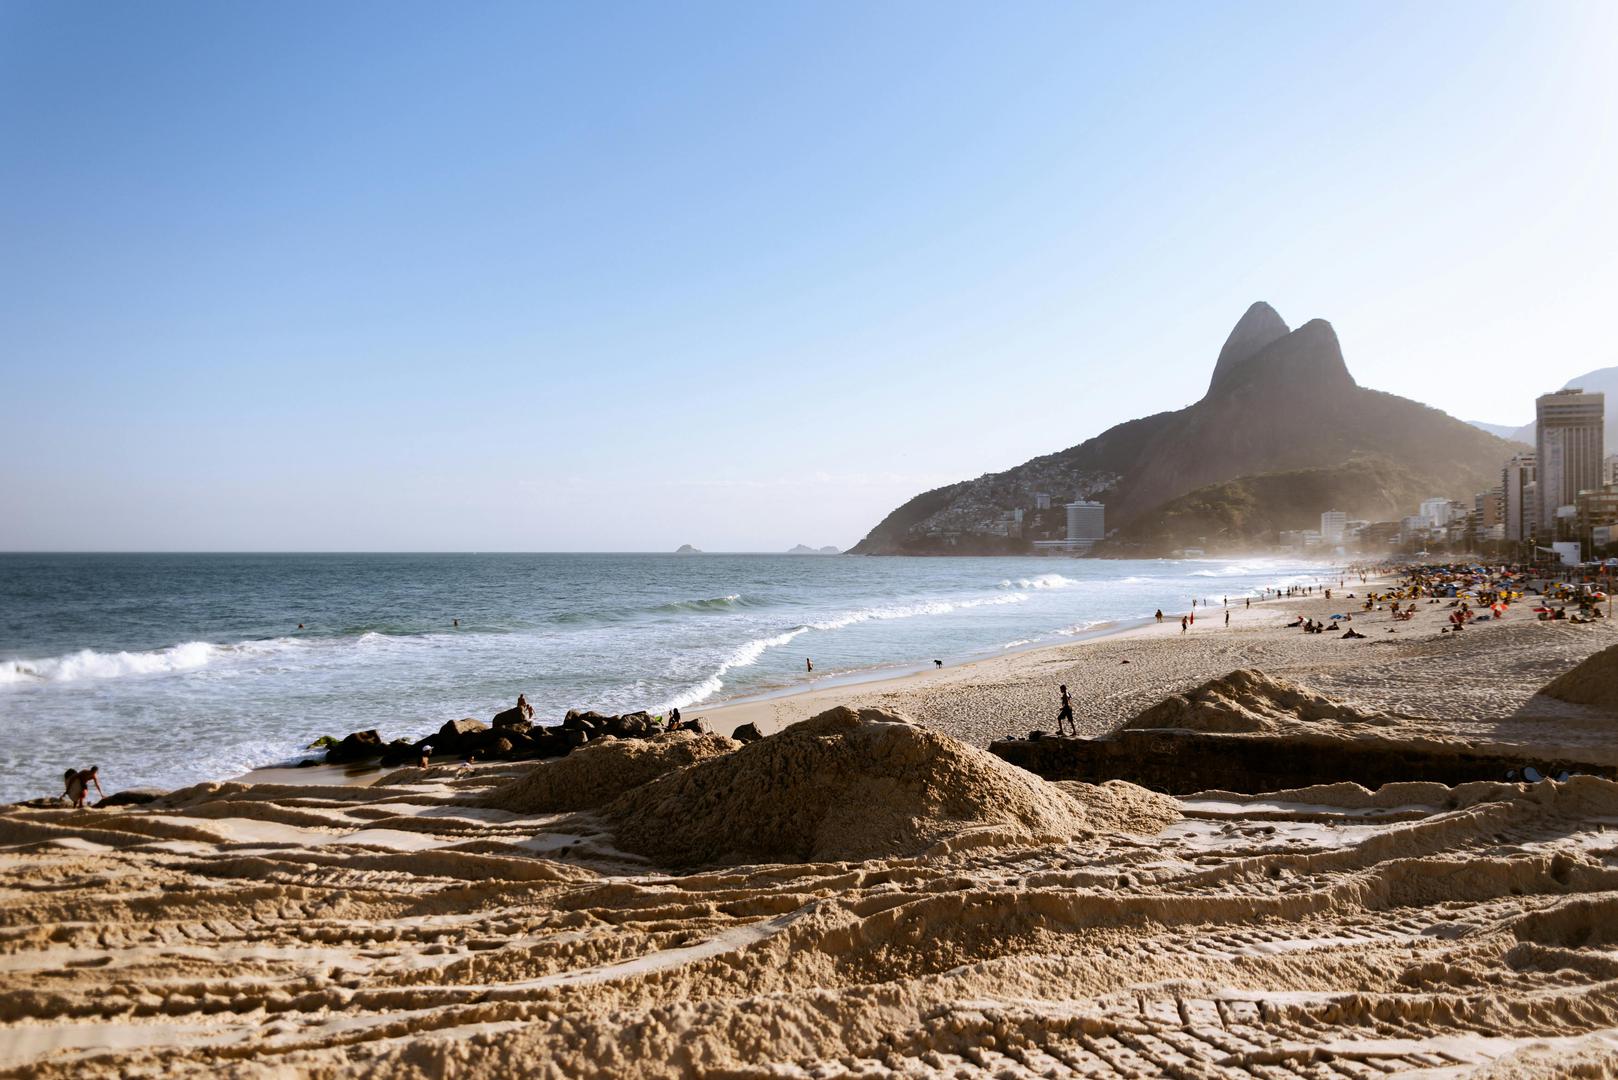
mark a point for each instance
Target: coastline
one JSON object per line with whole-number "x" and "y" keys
{"x": 1470, "y": 688}
{"x": 773, "y": 710}
{"x": 869, "y": 896}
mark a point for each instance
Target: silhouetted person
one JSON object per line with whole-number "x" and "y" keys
{"x": 77, "y": 785}
{"x": 1065, "y": 713}
{"x": 809, "y": 665}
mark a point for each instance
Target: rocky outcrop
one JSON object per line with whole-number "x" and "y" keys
{"x": 511, "y": 737}
{"x": 360, "y": 746}
{"x": 1278, "y": 401}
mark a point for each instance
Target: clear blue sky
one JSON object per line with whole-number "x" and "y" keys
{"x": 621, "y": 276}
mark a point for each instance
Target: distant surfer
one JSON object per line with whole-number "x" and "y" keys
{"x": 76, "y": 784}
{"x": 1065, "y": 713}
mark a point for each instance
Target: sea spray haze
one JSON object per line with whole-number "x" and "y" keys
{"x": 169, "y": 669}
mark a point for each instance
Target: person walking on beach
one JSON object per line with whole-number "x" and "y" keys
{"x": 1182, "y": 624}
{"x": 1065, "y": 713}
{"x": 77, "y": 785}
{"x": 808, "y": 665}
{"x": 1227, "y": 617}
{"x": 1159, "y": 614}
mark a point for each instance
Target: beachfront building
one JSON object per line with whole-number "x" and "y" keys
{"x": 1517, "y": 494}
{"x": 1086, "y": 524}
{"x": 1488, "y": 515}
{"x": 1086, "y": 521}
{"x": 1571, "y": 445}
{"x": 1435, "y": 512}
{"x": 1332, "y": 525}
{"x": 1598, "y": 509}
{"x": 1609, "y": 470}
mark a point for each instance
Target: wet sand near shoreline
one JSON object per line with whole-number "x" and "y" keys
{"x": 863, "y": 897}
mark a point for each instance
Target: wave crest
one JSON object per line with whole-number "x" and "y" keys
{"x": 712, "y": 603}
{"x": 89, "y": 664}
{"x": 1043, "y": 581}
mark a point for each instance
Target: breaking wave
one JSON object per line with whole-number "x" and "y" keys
{"x": 748, "y": 654}
{"x": 89, "y": 664}
{"x": 712, "y": 603}
{"x": 1043, "y": 581}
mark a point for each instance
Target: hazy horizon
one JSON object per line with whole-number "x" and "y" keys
{"x": 561, "y": 279}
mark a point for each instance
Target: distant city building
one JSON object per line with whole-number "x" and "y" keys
{"x": 1333, "y": 523}
{"x": 1086, "y": 521}
{"x": 1609, "y": 470}
{"x": 1517, "y": 497}
{"x": 1597, "y": 509}
{"x": 1042, "y": 501}
{"x": 1571, "y": 434}
{"x": 1086, "y": 524}
{"x": 1378, "y": 534}
{"x": 1435, "y": 512}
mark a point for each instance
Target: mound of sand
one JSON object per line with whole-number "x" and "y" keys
{"x": 1118, "y": 806}
{"x": 595, "y": 774}
{"x": 841, "y": 786}
{"x": 1593, "y": 682}
{"x": 1250, "y": 701}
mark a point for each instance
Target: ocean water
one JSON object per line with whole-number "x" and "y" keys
{"x": 170, "y": 669}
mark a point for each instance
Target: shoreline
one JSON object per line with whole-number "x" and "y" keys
{"x": 773, "y": 710}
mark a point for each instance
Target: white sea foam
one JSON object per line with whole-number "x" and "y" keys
{"x": 89, "y": 664}
{"x": 745, "y": 656}
{"x": 1043, "y": 581}
{"x": 749, "y": 653}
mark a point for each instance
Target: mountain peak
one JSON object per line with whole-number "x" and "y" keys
{"x": 1260, "y": 327}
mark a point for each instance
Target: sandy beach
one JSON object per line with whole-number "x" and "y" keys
{"x": 871, "y": 893}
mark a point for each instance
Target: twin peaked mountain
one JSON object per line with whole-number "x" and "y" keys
{"x": 1283, "y": 433}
